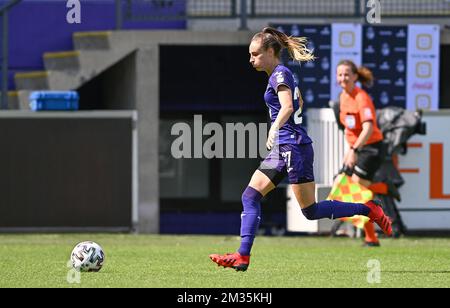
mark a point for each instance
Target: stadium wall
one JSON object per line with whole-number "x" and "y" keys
{"x": 68, "y": 171}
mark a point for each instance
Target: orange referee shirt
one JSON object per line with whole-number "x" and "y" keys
{"x": 357, "y": 108}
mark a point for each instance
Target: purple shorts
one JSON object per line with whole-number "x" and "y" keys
{"x": 294, "y": 160}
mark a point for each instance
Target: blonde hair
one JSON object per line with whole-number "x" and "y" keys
{"x": 365, "y": 76}
{"x": 296, "y": 46}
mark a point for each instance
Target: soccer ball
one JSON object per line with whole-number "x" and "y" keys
{"x": 87, "y": 257}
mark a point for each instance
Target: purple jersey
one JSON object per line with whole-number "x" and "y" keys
{"x": 291, "y": 132}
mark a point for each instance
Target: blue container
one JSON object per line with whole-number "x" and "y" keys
{"x": 54, "y": 100}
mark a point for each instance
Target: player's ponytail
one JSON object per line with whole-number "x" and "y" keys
{"x": 365, "y": 75}
{"x": 296, "y": 46}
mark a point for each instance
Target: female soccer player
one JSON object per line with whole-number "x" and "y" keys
{"x": 357, "y": 114}
{"x": 291, "y": 149}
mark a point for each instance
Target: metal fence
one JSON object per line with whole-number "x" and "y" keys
{"x": 305, "y": 8}
{"x": 244, "y": 9}
{"x": 415, "y": 8}
{"x": 348, "y": 8}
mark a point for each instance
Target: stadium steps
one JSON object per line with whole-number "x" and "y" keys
{"x": 94, "y": 53}
{"x": 13, "y": 99}
{"x": 18, "y": 99}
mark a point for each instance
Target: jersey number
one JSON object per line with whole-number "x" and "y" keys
{"x": 287, "y": 160}
{"x": 298, "y": 119}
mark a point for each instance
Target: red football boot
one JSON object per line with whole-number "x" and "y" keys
{"x": 377, "y": 215}
{"x": 233, "y": 260}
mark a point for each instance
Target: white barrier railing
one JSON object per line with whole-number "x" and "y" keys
{"x": 329, "y": 149}
{"x": 329, "y": 144}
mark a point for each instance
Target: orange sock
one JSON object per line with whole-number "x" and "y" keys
{"x": 369, "y": 230}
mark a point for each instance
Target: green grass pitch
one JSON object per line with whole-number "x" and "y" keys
{"x": 160, "y": 261}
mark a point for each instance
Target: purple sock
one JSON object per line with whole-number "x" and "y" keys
{"x": 334, "y": 209}
{"x": 250, "y": 219}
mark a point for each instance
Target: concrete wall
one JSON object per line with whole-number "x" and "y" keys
{"x": 66, "y": 171}
{"x": 112, "y": 89}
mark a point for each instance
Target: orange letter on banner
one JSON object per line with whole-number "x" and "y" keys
{"x": 437, "y": 171}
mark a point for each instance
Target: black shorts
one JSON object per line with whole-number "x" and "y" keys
{"x": 370, "y": 159}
